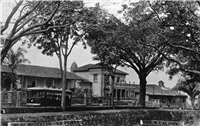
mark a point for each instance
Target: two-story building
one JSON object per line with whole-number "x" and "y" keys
{"x": 99, "y": 77}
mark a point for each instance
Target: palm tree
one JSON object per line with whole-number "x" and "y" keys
{"x": 191, "y": 88}
{"x": 13, "y": 59}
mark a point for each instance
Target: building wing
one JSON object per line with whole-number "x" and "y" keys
{"x": 41, "y": 71}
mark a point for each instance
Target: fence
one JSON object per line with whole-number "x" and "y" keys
{"x": 13, "y": 98}
{"x": 18, "y": 98}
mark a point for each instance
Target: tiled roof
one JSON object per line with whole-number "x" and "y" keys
{"x": 5, "y": 69}
{"x": 96, "y": 66}
{"x": 41, "y": 71}
{"x": 152, "y": 89}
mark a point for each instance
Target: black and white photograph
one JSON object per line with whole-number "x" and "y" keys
{"x": 100, "y": 62}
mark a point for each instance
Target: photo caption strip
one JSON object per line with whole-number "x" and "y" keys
{"x": 54, "y": 123}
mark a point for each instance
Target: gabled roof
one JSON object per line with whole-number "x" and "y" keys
{"x": 41, "y": 71}
{"x": 96, "y": 66}
{"x": 152, "y": 89}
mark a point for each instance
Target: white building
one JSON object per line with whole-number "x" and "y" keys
{"x": 98, "y": 75}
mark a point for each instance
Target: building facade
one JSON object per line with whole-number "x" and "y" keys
{"x": 99, "y": 76}
{"x": 156, "y": 96}
{"x": 39, "y": 76}
{"x": 123, "y": 91}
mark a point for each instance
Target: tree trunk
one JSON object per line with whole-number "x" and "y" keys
{"x": 63, "y": 103}
{"x": 192, "y": 102}
{"x": 5, "y": 49}
{"x": 143, "y": 83}
{"x": 112, "y": 92}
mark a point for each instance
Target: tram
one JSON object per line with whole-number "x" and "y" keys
{"x": 43, "y": 96}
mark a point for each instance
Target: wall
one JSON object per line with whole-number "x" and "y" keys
{"x": 108, "y": 118}
{"x": 70, "y": 84}
{"x": 146, "y": 97}
{"x": 96, "y": 86}
{"x": 85, "y": 86}
{"x": 122, "y": 77}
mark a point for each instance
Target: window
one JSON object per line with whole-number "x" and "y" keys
{"x": 118, "y": 78}
{"x": 33, "y": 84}
{"x": 48, "y": 82}
{"x": 95, "y": 77}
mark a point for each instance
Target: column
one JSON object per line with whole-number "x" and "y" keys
{"x": 22, "y": 82}
{"x": 116, "y": 93}
{"x": 36, "y": 84}
{"x": 26, "y": 83}
{"x": 120, "y": 94}
{"x": 60, "y": 83}
{"x": 10, "y": 93}
{"x": 67, "y": 84}
{"x": 18, "y": 98}
{"x": 126, "y": 94}
{"x": 85, "y": 97}
{"x": 53, "y": 83}
{"x": 123, "y": 94}
{"x": 75, "y": 85}
{"x": 44, "y": 82}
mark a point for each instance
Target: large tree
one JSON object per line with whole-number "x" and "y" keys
{"x": 19, "y": 21}
{"x": 75, "y": 20}
{"x": 138, "y": 26}
{"x": 109, "y": 58}
{"x": 102, "y": 43}
{"x": 181, "y": 26}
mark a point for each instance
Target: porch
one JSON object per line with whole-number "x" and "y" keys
{"x": 124, "y": 94}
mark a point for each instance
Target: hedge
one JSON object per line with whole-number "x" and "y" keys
{"x": 111, "y": 118}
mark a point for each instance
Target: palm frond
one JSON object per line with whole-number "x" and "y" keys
{"x": 14, "y": 58}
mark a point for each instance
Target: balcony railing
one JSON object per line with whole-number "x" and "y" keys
{"x": 124, "y": 98}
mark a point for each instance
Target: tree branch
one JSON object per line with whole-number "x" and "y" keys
{"x": 173, "y": 60}
{"x": 21, "y": 18}
{"x": 23, "y": 33}
{"x": 24, "y": 23}
{"x": 74, "y": 43}
{"x": 14, "y": 10}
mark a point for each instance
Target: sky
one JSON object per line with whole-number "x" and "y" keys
{"x": 83, "y": 56}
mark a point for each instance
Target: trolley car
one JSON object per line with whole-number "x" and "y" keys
{"x": 41, "y": 96}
